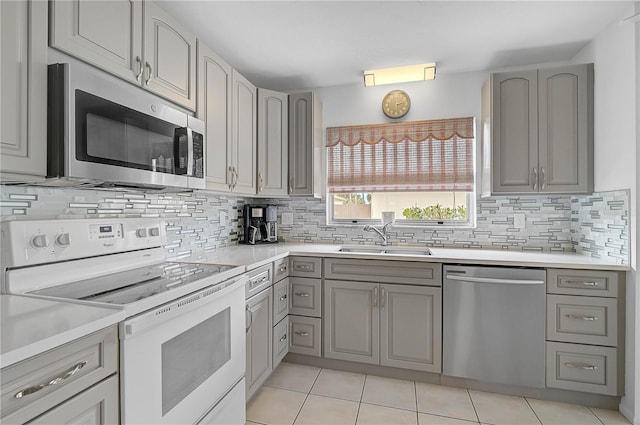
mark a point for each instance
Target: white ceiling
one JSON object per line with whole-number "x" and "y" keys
{"x": 288, "y": 45}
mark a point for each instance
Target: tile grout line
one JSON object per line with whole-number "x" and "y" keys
{"x": 306, "y": 397}
{"x": 415, "y": 395}
{"x": 472, "y": 404}
{"x": 596, "y": 415}
{"x": 533, "y": 410}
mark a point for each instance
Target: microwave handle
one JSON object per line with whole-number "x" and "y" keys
{"x": 190, "y": 164}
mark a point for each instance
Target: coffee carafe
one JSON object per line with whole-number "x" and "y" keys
{"x": 260, "y": 224}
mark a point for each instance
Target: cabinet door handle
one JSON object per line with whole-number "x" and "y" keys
{"x": 301, "y": 333}
{"x": 150, "y": 75}
{"x": 260, "y": 187}
{"x": 375, "y": 297}
{"x": 581, "y": 317}
{"x": 383, "y": 297}
{"x": 302, "y": 294}
{"x": 235, "y": 178}
{"x": 583, "y": 366}
{"x": 284, "y": 297}
{"x": 55, "y": 381}
{"x": 543, "y": 177}
{"x": 283, "y": 338}
{"x": 140, "y": 68}
{"x": 535, "y": 179}
{"x": 248, "y": 310}
{"x": 581, "y": 282}
{"x": 290, "y": 184}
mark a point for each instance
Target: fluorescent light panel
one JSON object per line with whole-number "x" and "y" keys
{"x": 400, "y": 74}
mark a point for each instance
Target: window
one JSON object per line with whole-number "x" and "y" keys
{"x": 423, "y": 171}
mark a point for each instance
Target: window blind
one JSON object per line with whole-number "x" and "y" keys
{"x": 433, "y": 155}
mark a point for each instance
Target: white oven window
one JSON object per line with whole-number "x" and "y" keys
{"x": 192, "y": 357}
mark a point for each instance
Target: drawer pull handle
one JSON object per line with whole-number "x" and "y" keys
{"x": 582, "y": 282}
{"x": 283, "y": 338}
{"x": 65, "y": 375}
{"x": 284, "y": 297}
{"x": 581, "y": 317}
{"x": 283, "y": 268}
{"x": 302, "y": 267}
{"x": 302, "y": 333}
{"x": 583, "y": 366}
{"x": 263, "y": 278}
{"x": 302, "y": 294}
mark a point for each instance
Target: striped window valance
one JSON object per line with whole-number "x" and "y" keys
{"x": 433, "y": 155}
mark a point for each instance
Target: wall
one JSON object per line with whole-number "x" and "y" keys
{"x": 615, "y": 55}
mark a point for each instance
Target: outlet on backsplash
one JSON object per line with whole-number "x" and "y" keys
{"x": 519, "y": 221}
{"x": 287, "y": 218}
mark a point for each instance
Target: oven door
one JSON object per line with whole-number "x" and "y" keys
{"x": 180, "y": 359}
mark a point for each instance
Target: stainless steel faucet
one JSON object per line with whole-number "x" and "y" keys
{"x": 382, "y": 233}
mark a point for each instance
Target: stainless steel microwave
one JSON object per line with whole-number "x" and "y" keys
{"x": 105, "y": 129}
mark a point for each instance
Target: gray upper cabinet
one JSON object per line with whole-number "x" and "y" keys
{"x": 23, "y": 90}
{"x": 243, "y": 135}
{"x": 134, "y": 40}
{"x": 538, "y": 131}
{"x": 214, "y": 108}
{"x": 169, "y": 57}
{"x": 107, "y": 34}
{"x": 273, "y": 149}
{"x": 305, "y": 145}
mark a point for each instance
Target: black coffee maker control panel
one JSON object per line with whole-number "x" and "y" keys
{"x": 260, "y": 224}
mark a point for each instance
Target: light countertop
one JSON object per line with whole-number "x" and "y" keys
{"x": 253, "y": 256}
{"x": 30, "y": 326}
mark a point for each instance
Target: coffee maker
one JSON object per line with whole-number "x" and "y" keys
{"x": 260, "y": 224}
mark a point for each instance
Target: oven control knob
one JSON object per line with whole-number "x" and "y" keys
{"x": 154, "y": 231}
{"x": 40, "y": 241}
{"x": 141, "y": 233}
{"x": 63, "y": 239}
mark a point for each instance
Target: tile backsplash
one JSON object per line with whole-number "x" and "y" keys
{"x": 200, "y": 222}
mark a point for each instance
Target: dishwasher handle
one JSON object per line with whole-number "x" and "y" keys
{"x": 472, "y": 279}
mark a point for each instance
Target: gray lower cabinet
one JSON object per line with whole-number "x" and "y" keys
{"x": 86, "y": 384}
{"x": 280, "y": 300}
{"x": 305, "y": 335}
{"x": 386, "y": 324}
{"x": 585, "y": 331}
{"x": 259, "y": 345}
{"x": 539, "y": 131}
{"x": 280, "y": 341}
{"x": 305, "y": 305}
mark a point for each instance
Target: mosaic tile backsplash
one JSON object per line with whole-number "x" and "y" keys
{"x": 200, "y": 222}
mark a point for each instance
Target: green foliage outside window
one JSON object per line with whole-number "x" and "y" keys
{"x": 435, "y": 212}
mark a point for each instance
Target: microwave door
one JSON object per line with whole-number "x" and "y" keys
{"x": 196, "y": 154}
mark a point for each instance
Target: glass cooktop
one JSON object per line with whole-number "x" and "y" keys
{"x": 129, "y": 286}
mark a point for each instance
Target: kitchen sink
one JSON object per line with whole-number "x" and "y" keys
{"x": 386, "y": 250}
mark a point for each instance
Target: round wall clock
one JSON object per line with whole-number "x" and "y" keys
{"x": 396, "y": 104}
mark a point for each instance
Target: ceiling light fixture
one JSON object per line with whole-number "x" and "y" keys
{"x": 400, "y": 74}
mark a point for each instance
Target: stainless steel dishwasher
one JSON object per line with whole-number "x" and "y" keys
{"x": 494, "y": 324}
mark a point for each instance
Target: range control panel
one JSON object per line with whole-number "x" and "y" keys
{"x": 29, "y": 242}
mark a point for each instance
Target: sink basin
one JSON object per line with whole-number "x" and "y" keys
{"x": 385, "y": 250}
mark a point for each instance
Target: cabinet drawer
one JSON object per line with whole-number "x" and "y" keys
{"x": 389, "y": 271}
{"x": 305, "y": 297}
{"x": 81, "y": 363}
{"x": 280, "y": 300}
{"x": 585, "y": 368}
{"x": 305, "y": 266}
{"x": 596, "y": 283}
{"x": 585, "y": 320}
{"x": 280, "y": 269}
{"x": 259, "y": 279}
{"x": 305, "y": 335}
{"x": 280, "y": 341}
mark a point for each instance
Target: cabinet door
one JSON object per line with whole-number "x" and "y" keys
{"x": 280, "y": 341}
{"x": 107, "y": 34}
{"x": 351, "y": 321}
{"x": 565, "y": 97}
{"x": 301, "y": 144}
{"x": 97, "y": 405}
{"x": 214, "y": 108}
{"x": 244, "y": 135}
{"x": 170, "y": 57}
{"x": 280, "y": 300}
{"x": 515, "y": 132}
{"x": 259, "y": 335}
{"x": 273, "y": 141}
{"x": 411, "y": 327}
{"x": 23, "y": 89}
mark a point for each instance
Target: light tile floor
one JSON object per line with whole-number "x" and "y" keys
{"x": 297, "y": 394}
